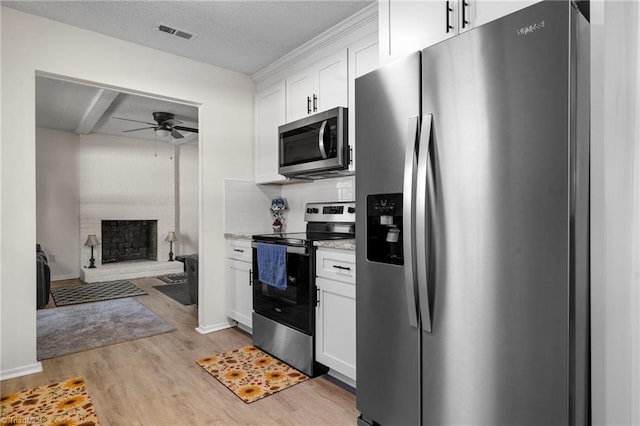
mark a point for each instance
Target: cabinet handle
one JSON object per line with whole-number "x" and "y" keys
{"x": 308, "y": 105}
{"x": 448, "y": 13}
{"x": 315, "y": 103}
{"x": 344, "y": 268}
{"x": 317, "y": 297}
{"x": 350, "y": 155}
{"x": 238, "y": 250}
{"x": 250, "y": 277}
{"x": 465, "y": 4}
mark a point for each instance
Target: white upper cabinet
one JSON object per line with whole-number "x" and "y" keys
{"x": 480, "y": 12}
{"x": 270, "y": 113}
{"x": 410, "y": 25}
{"x": 318, "y": 88}
{"x": 363, "y": 58}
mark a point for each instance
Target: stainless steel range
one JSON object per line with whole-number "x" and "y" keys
{"x": 284, "y": 312}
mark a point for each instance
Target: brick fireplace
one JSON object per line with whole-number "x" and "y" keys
{"x": 121, "y": 180}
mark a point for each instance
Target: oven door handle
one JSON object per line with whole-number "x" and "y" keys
{"x": 299, "y": 250}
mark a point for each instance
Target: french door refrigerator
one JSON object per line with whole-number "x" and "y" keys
{"x": 472, "y": 186}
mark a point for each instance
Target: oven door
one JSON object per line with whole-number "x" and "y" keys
{"x": 293, "y": 305}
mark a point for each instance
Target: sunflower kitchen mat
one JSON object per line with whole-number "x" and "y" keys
{"x": 250, "y": 373}
{"x": 63, "y": 403}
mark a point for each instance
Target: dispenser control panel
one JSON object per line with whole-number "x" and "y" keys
{"x": 384, "y": 206}
{"x": 384, "y": 228}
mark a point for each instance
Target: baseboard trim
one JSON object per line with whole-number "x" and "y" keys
{"x": 344, "y": 379}
{"x": 21, "y": 371}
{"x": 212, "y": 328}
{"x": 65, "y": 277}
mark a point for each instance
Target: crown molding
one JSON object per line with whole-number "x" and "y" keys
{"x": 340, "y": 31}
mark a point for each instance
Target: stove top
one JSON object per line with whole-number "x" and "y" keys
{"x": 300, "y": 238}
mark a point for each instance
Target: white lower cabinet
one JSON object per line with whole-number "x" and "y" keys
{"x": 336, "y": 313}
{"x": 239, "y": 283}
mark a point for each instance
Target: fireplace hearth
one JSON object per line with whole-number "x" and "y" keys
{"x": 127, "y": 240}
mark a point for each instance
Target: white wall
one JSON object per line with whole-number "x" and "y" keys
{"x": 31, "y": 44}
{"x": 121, "y": 178}
{"x": 188, "y": 186}
{"x": 615, "y": 216}
{"x": 57, "y": 201}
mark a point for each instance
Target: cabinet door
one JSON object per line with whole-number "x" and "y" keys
{"x": 300, "y": 89}
{"x": 363, "y": 58}
{"x": 318, "y": 88}
{"x": 336, "y": 326}
{"x": 270, "y": 113}
{"x": 407, "y": 26}
{"x": 240, "y": 291}
{"x": 481, "y": 12}
{"x": 338, "y": 265}
{"x": 331, "y": 83}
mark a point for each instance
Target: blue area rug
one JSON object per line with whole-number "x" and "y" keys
{"x": 77, "y": 328}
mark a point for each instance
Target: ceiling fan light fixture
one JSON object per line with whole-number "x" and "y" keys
{"x": 163, "y": 133}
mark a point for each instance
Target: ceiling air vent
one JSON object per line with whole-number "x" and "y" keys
{"x": 174, "y": 31}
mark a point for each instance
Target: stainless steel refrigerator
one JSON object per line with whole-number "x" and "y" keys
{"x": 472, "y": 188}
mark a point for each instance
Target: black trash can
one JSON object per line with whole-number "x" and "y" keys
{"x": 191, "y": 264}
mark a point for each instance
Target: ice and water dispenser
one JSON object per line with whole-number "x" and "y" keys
{"x": 384, "y": 228}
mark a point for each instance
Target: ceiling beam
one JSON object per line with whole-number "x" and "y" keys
{"x": 99, "y": 104}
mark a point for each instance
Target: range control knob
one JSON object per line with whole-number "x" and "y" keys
{"x": 314, "y": 210}
{"x": 351, "y": 210}
{"x": 309, "y": 210}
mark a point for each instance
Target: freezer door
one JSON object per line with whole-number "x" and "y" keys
{"x": 386, "y": 315}
{"x": 498, "y": 351}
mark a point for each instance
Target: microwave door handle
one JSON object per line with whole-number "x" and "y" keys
{"x": 321, "y": 140}
{"x": 408, "y": 220}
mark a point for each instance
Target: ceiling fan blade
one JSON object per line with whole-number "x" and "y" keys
{"x": 141, "y": 128}
{"x": 136, "y": 121}
{"x": 186, "y": 129}
{"x": 171, "y": 121}
{"x": 176, "y": 134}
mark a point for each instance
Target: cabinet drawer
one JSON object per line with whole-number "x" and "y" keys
{"x": 239, "y": 250}
{"x": 336, "y": 265}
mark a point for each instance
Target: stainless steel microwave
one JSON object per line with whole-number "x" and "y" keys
{"x": 315, "y": 147}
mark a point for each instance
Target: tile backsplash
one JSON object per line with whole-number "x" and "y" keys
{"x": 298, "y": 194}
{"x": 246, "y": 207}
{"x": 247, "y": 204}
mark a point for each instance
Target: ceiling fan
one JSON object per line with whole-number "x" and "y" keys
{"x": 165, "y": 125}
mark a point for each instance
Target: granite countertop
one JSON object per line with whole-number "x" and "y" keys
{"x": 334, "y": 244}
{"x": 239, "y": 235}
{"x": 337, "y": 244}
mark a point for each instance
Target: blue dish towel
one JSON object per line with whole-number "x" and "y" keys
{"x": 272, "y": 265}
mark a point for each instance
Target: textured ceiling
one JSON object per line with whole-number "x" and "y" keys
{"x": 240, "y": 35}
{"x": 243, "y": 36}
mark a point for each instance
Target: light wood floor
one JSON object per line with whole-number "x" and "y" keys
{"x": 155, "y": 380}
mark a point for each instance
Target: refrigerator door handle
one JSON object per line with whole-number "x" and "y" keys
{"x": 422, "y": 225}
{"x": 408, "y": 219}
